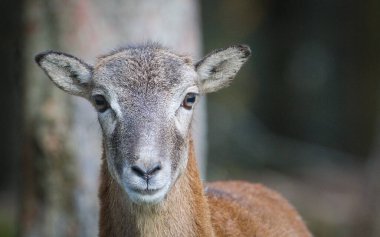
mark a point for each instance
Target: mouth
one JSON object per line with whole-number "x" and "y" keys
{"x": 146, "y": 191}
{"x": 147, "y": 195}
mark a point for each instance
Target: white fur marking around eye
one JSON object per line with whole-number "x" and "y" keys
{"x": 109, "y": 118}
{"x": 183, "y": 115}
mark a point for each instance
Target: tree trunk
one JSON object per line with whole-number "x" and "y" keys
{"x": 367, "y": 213}
{"x": 61, "y": 154}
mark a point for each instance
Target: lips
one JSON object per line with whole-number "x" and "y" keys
{"x": 146, "y": 191}
{"x": 146, "y": 195}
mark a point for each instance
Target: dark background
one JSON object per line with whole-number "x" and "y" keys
{"x": 302, "y": 115}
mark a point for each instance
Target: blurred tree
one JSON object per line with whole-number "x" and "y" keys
{"x": 367, "y": 216}
{"x": 10, "y": 119}
{"x": 10, "y": 74}
{"x": 61, "y": 153}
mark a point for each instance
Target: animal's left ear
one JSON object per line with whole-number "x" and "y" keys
{"x": 219, "y": 67}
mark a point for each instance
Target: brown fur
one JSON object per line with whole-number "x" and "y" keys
{"x": 184, "y": 212}
{"x": 244, "y": 209}
{"x": 227, "y": 209}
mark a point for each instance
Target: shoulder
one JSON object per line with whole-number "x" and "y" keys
{"x": 255, "y": 206}
{"x": 241, "y": 190}
{"x": 247, "y": 195}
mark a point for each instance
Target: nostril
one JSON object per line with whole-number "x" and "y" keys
{"x": 146, "y": 174}
{"x": 137, "y": 170}
{"x": 154, "y": 169}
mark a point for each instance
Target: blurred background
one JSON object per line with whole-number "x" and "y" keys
{"x": 302, "y": 116}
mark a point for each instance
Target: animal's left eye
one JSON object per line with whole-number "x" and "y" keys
{"x": 100, "y": 103}
{"x": 189, "y": 101}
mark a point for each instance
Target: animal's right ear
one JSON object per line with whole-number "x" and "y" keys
{"x": 67, "y": 72}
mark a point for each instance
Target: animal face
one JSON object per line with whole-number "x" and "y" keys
{"x": 145, "y": 98}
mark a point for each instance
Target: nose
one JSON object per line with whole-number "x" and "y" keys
{"x": 146, "y": 172}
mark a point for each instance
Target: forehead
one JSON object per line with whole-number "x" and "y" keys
{"x": 144, "y": 70}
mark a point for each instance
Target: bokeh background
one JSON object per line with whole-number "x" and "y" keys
{"x": 302, "y": 116}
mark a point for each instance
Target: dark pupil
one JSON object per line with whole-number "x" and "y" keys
{"x": 190, "y": 99}
{"x": 101, "y": 103}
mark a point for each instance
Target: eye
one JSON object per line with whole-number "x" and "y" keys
{"x": 100, "y": 103}
{"x": 189, "y": 101}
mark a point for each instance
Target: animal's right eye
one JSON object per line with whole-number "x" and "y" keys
{"x": 100, "y": 103}
{"x": 189, "y": 101}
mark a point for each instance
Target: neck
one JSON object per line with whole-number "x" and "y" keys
{"x": 184, "y": 212}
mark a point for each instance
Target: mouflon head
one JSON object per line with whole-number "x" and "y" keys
{"x": 145, "y": 98}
